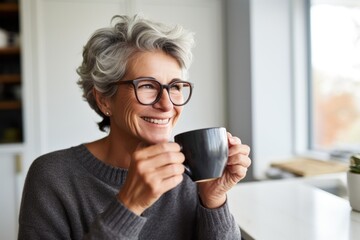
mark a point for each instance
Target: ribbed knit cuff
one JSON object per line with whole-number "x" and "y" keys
{"x": 122, "y": 221}
{"x": 212, "y": 217}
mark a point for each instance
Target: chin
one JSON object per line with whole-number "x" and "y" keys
{"x": 157, "y": 139}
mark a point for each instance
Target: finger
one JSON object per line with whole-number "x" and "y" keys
{"x": 237, "y": 170}
{"x": 153, "y": 150}
{"x": 239, "y": 159}
{"x": 164, "y": 179}
{"x": 170, "y": 170}
{"x": 239, "y": 149}
{"x": 172, "y": 182}
{"x": 159, "y": 161}
{"x": 232, "y": 140}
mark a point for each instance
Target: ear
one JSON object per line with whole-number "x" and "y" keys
{"x": 102, "y": 102}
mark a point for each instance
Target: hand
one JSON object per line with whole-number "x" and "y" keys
{"x": 213, "y": 193}
{"x": 153, "y": 171}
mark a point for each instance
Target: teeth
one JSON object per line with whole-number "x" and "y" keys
{"x": 156, "y": 121}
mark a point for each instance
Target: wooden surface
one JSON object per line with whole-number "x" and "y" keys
{"x": 310, "y": 167}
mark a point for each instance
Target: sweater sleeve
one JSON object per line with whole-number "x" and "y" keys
{"x": 217, "y": 224}
{"x": 47, "y": 212}
{"x": 117, "y": 222}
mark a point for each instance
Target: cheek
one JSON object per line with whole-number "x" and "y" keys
{"x": 124, "y": 107}
{"x": 130, "y": 114}
{"x": 178, "y": 111}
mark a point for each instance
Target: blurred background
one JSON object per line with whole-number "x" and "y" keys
{"x": 283, "y": 75}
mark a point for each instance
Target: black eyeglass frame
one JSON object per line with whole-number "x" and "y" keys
{"x": 136, "y": 81}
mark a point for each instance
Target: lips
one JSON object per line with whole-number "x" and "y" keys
{"x": 157, "y": 121}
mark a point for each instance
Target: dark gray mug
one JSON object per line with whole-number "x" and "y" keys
{"x": 206, "y": 152}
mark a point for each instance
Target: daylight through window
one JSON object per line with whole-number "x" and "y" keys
{"x": 335, "y": 73}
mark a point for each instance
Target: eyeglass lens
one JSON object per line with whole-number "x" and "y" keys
{"x": 149, "y": 91}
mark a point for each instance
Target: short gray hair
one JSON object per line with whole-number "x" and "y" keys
{"x": 106, "y": 54}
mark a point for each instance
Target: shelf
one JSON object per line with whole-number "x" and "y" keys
{"x": 11, "y": 115}
{"x": 10, "y": 78}
{"x": 9, "y": 8}
{"x": 10, "y": 105}
{"x": 9, "y": 51}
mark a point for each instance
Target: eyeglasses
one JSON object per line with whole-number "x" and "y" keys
{"x": 148, "y": 91}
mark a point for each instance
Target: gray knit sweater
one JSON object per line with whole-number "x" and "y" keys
{"x": 69, "y": 194}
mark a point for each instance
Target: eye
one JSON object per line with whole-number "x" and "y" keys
{"x": 176, "y": 86}
{"x": 147, "y": 85}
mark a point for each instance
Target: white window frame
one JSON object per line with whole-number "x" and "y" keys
{"x": 268, "y": 79}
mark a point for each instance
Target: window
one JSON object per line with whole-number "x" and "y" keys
{"x": 335, "y": 75}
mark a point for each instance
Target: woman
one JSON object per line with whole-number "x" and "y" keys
{"x": 131, "y": 184}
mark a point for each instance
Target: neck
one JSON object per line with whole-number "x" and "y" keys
{"x": 113, "y": 151}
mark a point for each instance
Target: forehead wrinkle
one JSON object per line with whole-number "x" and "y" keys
{"x": 135, "y": 69}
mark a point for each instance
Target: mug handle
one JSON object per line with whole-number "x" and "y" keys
{"x": 187, "y": 169}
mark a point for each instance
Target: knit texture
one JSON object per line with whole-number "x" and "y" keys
{"x": 70, "y": 194}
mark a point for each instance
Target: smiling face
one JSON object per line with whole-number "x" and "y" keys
{"x": 131, "y": 121}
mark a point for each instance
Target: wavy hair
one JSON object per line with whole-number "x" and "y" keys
{"x": 106, "y": 54}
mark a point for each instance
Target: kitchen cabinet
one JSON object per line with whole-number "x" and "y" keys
{"x": 11, "y": 120}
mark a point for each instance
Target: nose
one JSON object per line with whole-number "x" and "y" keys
{"x": 164, "y": 102}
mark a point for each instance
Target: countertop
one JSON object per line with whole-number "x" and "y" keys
{"x": 295, "y": 209}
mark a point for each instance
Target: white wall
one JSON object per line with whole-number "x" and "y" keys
{"x": 271, "y": 68}
{"x": 8, "y": 200}
{"x": 261, "y": 73}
